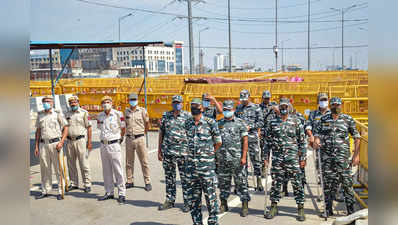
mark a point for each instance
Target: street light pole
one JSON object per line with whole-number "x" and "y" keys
{"x": 229, "y": 36}
{"x": 191, "y": 52}
{"x": 342, "y": 10}
{"x": 276, "y": 36}
{"x": 308, "y": 39}
{"x": 120, "y": 19}
{"x": 283, "y": 54}
{"x": 200, "y": 53}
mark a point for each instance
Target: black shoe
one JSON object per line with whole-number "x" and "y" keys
{"x": 87, "y": 189}
{"x": 121, "y": 199}
{"x": 59, "y": 197}
{"x": 185, "y": 208}
{"x": 166, "y": 205}
{"x": 106, "y": 197}
{"x": 71, "y": 188}
{"x": 41, "y": 196}
{"x": 129, "y": 185}
{"x": 148, "y": 187}
{"x": 235, "y": 191}
{"x": 350, "y": 209}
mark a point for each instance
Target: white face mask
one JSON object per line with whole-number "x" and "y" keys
{"x": 323, "y": 104}
{"x": 107, "y": 106}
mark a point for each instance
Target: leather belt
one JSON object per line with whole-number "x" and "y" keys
{"x": 105, "y": 142}
{"x": 50, "y": 141}
{"x": 75, "y": 138}
{"x": 134, "y": 136}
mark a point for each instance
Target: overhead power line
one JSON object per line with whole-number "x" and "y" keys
{"x": 270, "y": 48}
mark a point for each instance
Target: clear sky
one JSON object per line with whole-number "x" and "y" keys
{"x": 253, "y": 26}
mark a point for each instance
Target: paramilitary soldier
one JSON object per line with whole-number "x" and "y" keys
{"x": 203, "y": 140}
{"x": 253, "y": 117}
{"x": 232, "y": 157}
{"x": 172, "y": 150}
{"x": 285, "y": 138}
{"x": 332, "y": 138}
{"x": 211, "y": 107}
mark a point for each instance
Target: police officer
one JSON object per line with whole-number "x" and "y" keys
{"x": 203, "y": 140}
{"x": 79, "y": 144}
{"x": 51, "y": 132}
{"x": 313, "y": 118}
{"x": 332, "y": 138}
{"x": 253, "y": 117}
{"x": 112, "y": 129}
{"x": 267, "y": 108}
{"x": 211, "y": 107}
{"x": 137, "y": 125}
{"x": 232, "y": 158}
{"x": 172, "y": 150}
{"x": 285, "y": 138}
{"x": 301, "y": 118}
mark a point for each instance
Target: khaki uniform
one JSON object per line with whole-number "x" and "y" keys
{"x": 77, "y": 146}
{"x": 135, "y": 141}
{"x": 111, "y": 155}
{"x": 51, "y": 125}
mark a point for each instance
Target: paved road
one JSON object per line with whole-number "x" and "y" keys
{"x": 81, "y": 208}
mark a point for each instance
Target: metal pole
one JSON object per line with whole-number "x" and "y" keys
{"x": 145, "y": 88}
{"x": 119, "y": 29}
{"x": 308, "y": 49}
{"x": 276, "y": 34}
{"x": 342, "y": 39}
{"x": 229, "y": 35}
{"x": 191, "y": 52}
{"x": 200, "y": 57}
{"x": 52, "y": 73}
{"x": 283, "y": 54}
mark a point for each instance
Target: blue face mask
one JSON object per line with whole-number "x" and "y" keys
{"x": 133, "y": 102}
{"x": 46, "y": 106}
{"x": 205, "y": 104}
{"x": 74, "y": 108}
{"x": 177, "y": 106}
{"x": 228, "y": 114}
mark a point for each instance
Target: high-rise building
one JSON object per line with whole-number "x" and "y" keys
{"x": 219, "y": 61}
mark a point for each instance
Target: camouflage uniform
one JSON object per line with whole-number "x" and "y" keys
{"x": 201, "y": 167}
{"x": 253, "y": 117}
{"x": 303, "y": 122}
{"x": 230, "y": 153}
{"x": 335, "y": 153}
{"x": 210, "y": 112}
{"x": 174, "y": 149}
{"x": 286, "y": 140}
{"x": 268, "y": 114}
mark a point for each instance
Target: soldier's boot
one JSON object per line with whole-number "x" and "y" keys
{"x": 300, "y": 212}
{"x": 223, "y": 206}
{"x": 259, "y": 184}
{"x": 245, "y": 209}
{"x": 273, "y": 212}
{"x": 329, "y": 208}
{"x": 284, "y": 190}
{"x": 166, "y": 205}
{"x": 350, "y": 209}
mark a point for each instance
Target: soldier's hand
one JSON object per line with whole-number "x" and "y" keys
{"x": 160, "y": 157}
{"x": 303, "y": 163}
{"x": 266, "y": 163}
{"x": 243, "y": 161}
{"x": 317, "y": 143}
{"x": 36, "y": 152}
{"x": 59, "y": 145}
{"x": 89, "y": 146}
{"x": 311, "y": 140}
{"x": 355, "y": 160}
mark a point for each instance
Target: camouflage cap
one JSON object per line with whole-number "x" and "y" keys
{"x": 228, "y": 104}
{"x": 73, "y": 97}
{"x": 284, "y": 101}
{"x": 335, "y": 100}
{"x": 322, "y": 95}
{"x": 133, "y": 96}
{"x": 177, "y": 98}
{"x": 106, "y": 98}
{"x": 244, "y": 95}
{"x": 266, "y": 94}
{"x": 196, "y": 101}
{"x": 205, "y": 96}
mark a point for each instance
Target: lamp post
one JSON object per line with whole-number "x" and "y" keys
{"x": 200, "y": 52}
{"x": 283, "y": 54}
{"x": 120, "y": 19}
{"x": 342, "y": 10}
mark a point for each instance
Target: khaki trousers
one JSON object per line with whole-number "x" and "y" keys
{"x": 77, "y": 151}
{"x": 132, "y": 146}
{"x": 111, "y": 157}
{"x": 49, "y": 158}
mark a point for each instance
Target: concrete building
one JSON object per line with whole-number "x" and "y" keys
{"x": 219, "y": 61}
{"x": 40, "y": 59}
